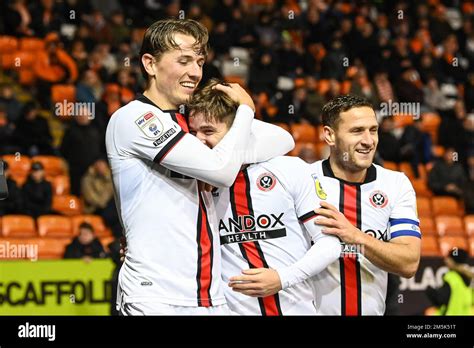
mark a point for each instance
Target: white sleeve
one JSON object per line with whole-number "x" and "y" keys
{"x": 159, "y": 139}
{"x": 218, "y": 166}
{"x": 267, "y": 141}
{"x": 404, "y": 218}
{"x": 301, "y": 184}
{"x": 324, "y": 251}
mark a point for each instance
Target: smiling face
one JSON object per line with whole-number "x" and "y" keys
{"x": 177, "y": 73}
{"x": 210, "y": 132}
{"x": 355, "y": 139}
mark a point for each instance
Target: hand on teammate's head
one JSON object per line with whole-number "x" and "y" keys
{"x": 236, "y": 93}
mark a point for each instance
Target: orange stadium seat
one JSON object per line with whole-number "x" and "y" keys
{"x": 447, "y": 225}
{"x": 18, "y": 165}
{"x": 67, "y": 205}
{"x": 445, "y": 206}
{"x": 403, "y": 120}
{"x": 429, "y": 246}
{"x": 96, "y": 222}
{"x": 430, "y": 123}
{"x": 8, "y": 44}
{"x": 31, "y": 44}
{"x": 18, "y": 226}
{"x": 423, "y": 205}
{"x": 427, "y": 226}
{"x": 390, "y": 165}
{"x": 448, "y": 243}
{"x": 61, "y": 184}
{"x": 406, "y": 168}
{"x": 53, "y": 226}
{"x": 421, "y": 188}
{"x": 304, "y": 133}
{"x": 235, "y": 79}
{"x": 52, "y": 248}
{"x": 59, "y": 93}
{"x": 469, "y": 225}
{"x": 53, "y": 165}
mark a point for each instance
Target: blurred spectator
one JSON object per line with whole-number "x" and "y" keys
{"x": 37, "y": 192}
{"x": 415, "y": 146}
{"x": 383, "y": 87}
{"x": 263, "y": 74}
{"x": 408, "y": 87}
{"x": 469, "y": 93}
{"x": 210, "y": 70}
{"x": 53, "y": 66}
{"x": 332, "y": 65}
{"x": 17, "y": 19}
{"x": 219, "y": 39}
{"x": 314, "y": 100}
{"x": 469, "y": 192}
{"x": 13, "y": 204}
{"x": 90, "y": 87}
{"x": 46, "y": 17}
{"x": 452, "y": 131}
{"x": 434, "y": 98}
{"x": 81, "y": 146}
{"x": 292, "y": 108}
{"x": 388, "y": 147}
{"x": 98, "y": 193}
{"x": 7, "y": 128}
{"x": 455, "y": 296}
{"x": 79, "y": 54}
{"x": 86, "y": 245}
{"x": 100, "y": 30}
{"x": 12, "y": 105}
{"x": 447, "y": 177}
{"x": 242, "y": 29}
{"x": 118, "y": 30}
{"x": 32, "y": 133}
{"x": 362, "y": 87}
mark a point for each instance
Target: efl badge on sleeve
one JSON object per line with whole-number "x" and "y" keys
{"x": 150, "y": 125}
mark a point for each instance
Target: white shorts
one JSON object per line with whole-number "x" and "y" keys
{"x": 157, "y": 308}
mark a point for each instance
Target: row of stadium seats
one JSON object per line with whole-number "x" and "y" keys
{"x": 447, "y": 225}
{"x": 441, "y": 246}
{"x": 21, "y": 164}
{"x": 49, "y": 226}
{"x": 439, "y": 205}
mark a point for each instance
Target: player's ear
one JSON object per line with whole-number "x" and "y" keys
{"x": 329, "y": 135}
{"x": 148, "y": 63}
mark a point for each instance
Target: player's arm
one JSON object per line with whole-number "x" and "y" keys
{"x": 401, "y": 255}
{"x": 267, "y": 141}
{"x": 298, "y": 181}
{"x": 164, "y": 142}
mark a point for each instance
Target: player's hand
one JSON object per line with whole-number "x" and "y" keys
{"x": 123, "y": 249}
{"x": 236, "y": 93}
{"x": 204, "y": 186}
{"x": 256, "y": 282}
{"x": 335, "y": 223}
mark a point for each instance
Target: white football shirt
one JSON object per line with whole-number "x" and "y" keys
{"x": 259, "y": 226}
{"x": 384, "y": 206}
